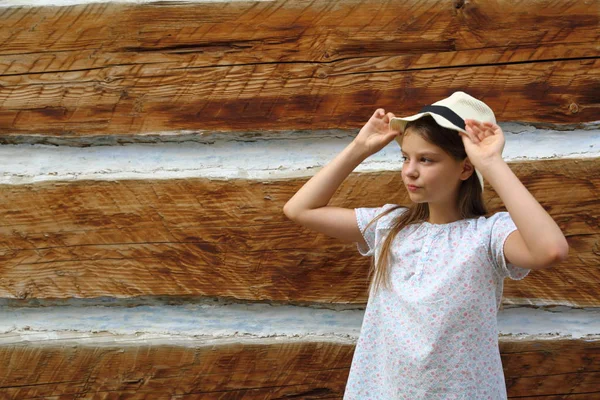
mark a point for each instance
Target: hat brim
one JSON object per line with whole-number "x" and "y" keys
{"x": 399, "y": 123}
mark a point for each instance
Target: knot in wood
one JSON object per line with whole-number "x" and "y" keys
{"x": 458, "y": 3}
{"x": 573, "y": 108}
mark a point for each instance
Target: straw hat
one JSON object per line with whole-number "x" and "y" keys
{"x": 451, "y": 113}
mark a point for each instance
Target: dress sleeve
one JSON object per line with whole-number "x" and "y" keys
{"x": 363, "y": 217}
{"x": 502, "y": 225}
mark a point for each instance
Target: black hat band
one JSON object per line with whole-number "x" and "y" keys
{"x": 446, "y": 113}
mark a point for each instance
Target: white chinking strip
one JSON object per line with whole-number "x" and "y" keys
{"x": 190, "y": 320}
{"x": 106, "y": 339}
{"x": 259, "y": 158}
{"x": 254, "y": 321}
{"x": 551, "y": 321}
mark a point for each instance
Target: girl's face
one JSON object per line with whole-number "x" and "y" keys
{"x": 429, "y": 173}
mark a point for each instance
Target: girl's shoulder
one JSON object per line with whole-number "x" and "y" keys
{"x": 388, "y": 213}
{"x": 501, "y": 219}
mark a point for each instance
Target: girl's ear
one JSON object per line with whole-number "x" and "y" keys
{"x": 467, "y": 169}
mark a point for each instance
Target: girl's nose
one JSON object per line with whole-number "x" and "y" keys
{"x": 410, "y": 169}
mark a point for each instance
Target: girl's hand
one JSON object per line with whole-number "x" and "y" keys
{"x": 483, "y": 142}
{"x": 376, "y": 133}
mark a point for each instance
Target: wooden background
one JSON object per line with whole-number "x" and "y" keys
{"x": 106, "y": 68}
{"x": 230, "y": 238}
{"x": 116, "y": 69}
{"x": 547, "y": 369}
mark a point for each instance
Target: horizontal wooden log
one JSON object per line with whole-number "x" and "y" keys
{"x": 230, "y": 238}
{"x": 551, "y": 368}
{"x": 562, "y": 396}
{"x": 317, "y": 370}
{"x": 312, "y": 370}
{"x": 132, "y": 100}
{"x": 257, "y": 98}
{"x": 291, "y": 31}
{"x": 129, "y": 69}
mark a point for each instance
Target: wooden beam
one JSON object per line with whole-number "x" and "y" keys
{"x": 293, "y": 369}
{"x": 292, "y": 31}
{"x": 102, "y": 69}
{"x": 231, "y": 239}
{"x": 267, "y": 369}
{"x": 551, "y": 368}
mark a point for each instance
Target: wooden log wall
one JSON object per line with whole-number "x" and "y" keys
{"x": 105, "y": 68}
{"x": 537, "y": 369}
{"x": 207, "y": 238}
{"x": 82, "y": 74}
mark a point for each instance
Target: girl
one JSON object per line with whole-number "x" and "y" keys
{"x": 430, "y": 329}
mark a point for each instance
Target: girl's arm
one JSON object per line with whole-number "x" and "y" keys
{"x": 538, "y": 241}
{"x": 308, "y": 207}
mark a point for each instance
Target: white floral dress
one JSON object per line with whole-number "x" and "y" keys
{"x": 434, "y": 335}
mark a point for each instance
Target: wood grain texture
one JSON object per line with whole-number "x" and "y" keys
{"x": 308, "y": 370}
{"x": 110, "y": 68}
{"x": 551, "y": 368}
{"x": 231, "y": 239}
{"x": 313, "y": 370}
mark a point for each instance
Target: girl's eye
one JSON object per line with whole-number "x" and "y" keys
{"x": 423, "y": 159}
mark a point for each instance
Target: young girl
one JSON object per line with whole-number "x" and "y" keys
{"x": 429, "y": 329}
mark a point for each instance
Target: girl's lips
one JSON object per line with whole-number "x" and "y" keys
{"x": 412, "y": 188}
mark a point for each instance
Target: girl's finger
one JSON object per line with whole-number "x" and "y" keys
{"x": 472, "y": 122}
{"x": 482, "y": 132}
{"x": 489, "y": 131}
{"x": 475, "y": 127}
{"x": 476, "y": 132}
{"x": 491, "y": 128}
{"x": 386, "y": 118}
{"x": 471, "y": 135}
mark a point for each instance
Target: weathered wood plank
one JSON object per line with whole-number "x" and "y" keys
{"x": 550, "y": 368}
{"x": 300, "y": 30}
{"x": 230, "y": 238}
{"x": 316, "y": 370}
{"x": 271, "y": 97}
{"x": 139, "y": 371}
{"x": 123, "y": 69}
{"x": 562, "y": 396}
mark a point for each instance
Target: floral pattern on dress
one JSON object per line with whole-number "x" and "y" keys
{"x": 434, "y": 334}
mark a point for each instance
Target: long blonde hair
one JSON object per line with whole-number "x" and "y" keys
{"x": 470, "y": 198}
